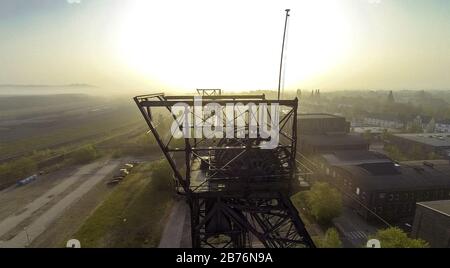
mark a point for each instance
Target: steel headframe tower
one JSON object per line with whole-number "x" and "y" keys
{"x": 238, "y": 193}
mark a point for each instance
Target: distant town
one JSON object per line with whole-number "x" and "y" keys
{"x": 389, "y": 155}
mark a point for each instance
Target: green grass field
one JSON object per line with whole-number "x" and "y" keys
{"x": 133, "y": 215}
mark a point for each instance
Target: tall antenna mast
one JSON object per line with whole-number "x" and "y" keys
{"x": 282, "y": 52}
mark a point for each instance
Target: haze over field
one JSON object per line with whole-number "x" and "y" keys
{"x": 15, "y": 90}
{"x": 151, "y": 45}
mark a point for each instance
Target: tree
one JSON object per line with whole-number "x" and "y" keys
{"x": 415, "y": 126}
{"x": 85, "y": 155}
{"x": 417, "y": 153}
{"x": 394, "y": 237}
{"x": 431, "y": 126}
{"x": 18, "y": 169}
{"x": 162, "y": 176}
{"x": 395, "y": 153}
{"x": 367, "y": 135}
{"x": 385, "y": 135}
{"x": 433, "y": 156}
{"x": 331, "y": 239}
{"x": 391, "y": 99}
{"x": 10, "y": 172}
{"x": 324, "y": 202}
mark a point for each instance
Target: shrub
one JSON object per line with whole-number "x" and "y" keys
{"x": 162, "y": 176}
{"x": 324, "y": 202}
{"x": 18, "y": 169}
{"x": 396, "y": 238}
{"x": 331, "y": 239}
{"x": 85, "y": 155}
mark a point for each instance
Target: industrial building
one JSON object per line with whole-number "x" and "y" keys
{"x": 374, "y": 182}
{"x": 319, "y": 133}
{"x": 311, "y": 124}
{"x": 432, "y": 223}
{"x": 437, "y": 143}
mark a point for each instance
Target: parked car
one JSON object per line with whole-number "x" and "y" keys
{"x": 114, "y": 181}
{"x": 129, "y": 166}
{"x": 124, "y": 171}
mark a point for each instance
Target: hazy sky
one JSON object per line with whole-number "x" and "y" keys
{"x": 120, "y": 44}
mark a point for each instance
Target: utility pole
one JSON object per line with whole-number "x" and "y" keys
{"x": 282, "y": 52}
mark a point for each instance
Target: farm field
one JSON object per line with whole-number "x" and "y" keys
{"x": 29, "y": 123}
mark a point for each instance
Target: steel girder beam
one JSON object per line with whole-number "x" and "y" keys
{"x": 194, "y": 148}
{"x": 246, "y": 223}
{"x": 209, "y": 92}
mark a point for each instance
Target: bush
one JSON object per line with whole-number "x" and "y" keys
{"x": 145, "y": 140}
{"x": 162, "y": 176}
{"x": 396, "y": 238}
{"x": 85, "y": 155}
{"x": 395, "y": 153}
{"x": 18, "y": 169}
{"x": 116, "y": 153}
{"x": 300, "y": 200}
{"x": 324, "y": 202}
{"x": 331, "y": 239}
{"x": 143, "y": 144}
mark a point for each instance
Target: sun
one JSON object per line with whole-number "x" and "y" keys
{"x": 232, "y": 45}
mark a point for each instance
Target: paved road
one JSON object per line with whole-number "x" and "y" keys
{"x": 354, "y": 229}
{"x": 12, "y": 221}
{"x": 40, "y": 224}
{"x": 177, "y": 233}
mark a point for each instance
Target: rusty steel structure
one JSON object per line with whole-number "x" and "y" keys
{"x": 238, "y": 193}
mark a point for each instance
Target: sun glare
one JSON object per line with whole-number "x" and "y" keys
{"x": 235, "y": 46}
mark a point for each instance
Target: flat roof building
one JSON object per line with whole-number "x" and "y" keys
{"x": 438, "y": 143}
{"x": 319, "y": 133}
{"x": 432, "y": 223}
{"x": 431, "y": 139}
{"x": 389, "y": 189}
{"x": 313, "y": 144}
{"x": 308, "y": 124}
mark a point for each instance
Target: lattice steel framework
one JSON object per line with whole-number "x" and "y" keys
{"x": 238, "y": 193}
{"x": 209, "y": 91}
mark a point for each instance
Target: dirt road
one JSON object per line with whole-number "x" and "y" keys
{"x": 36, "y": 216}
